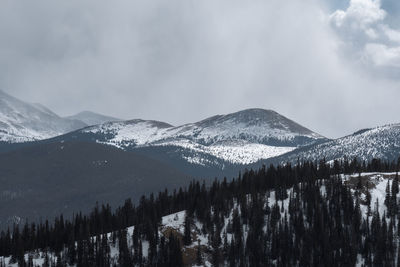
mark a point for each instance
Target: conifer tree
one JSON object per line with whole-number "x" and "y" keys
{"x": 199, "y": 258}
{"x": 187, "y": 238}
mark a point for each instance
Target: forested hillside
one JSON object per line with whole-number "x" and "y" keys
{"x": 341, "y": 214}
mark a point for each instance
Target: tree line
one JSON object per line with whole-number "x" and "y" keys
{"x": 315, "y": 229}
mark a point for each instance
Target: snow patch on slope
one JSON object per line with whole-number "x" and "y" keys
{"x": 234, "y": 152}
{"x": 131, "y": 133}
{"x": 175, "y": 221}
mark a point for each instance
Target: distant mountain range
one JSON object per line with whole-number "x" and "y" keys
{"x": 241, "y": 138}
{"x": 42, "y": 153}
{"x": 91, "y": 118}
{"x": 25, "y": 122}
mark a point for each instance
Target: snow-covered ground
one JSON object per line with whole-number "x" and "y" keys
{"x": 378, "y": 182}
{"x": 239, "y": 152}
{"x": 175, "y": 221}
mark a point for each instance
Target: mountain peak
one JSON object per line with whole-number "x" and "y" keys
{"x": 262, "y": 121}
{"x": 151, "y": 123}
{"x": 257, "y": 111}
{"x": 91, "y": 118}
{"x": 259, "y": 128}
{"x": 256, "y": 114}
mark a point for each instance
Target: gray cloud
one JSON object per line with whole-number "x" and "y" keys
{"x": 180, "y": 61}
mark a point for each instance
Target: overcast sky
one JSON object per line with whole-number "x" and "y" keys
{"x": 333, "y": 66}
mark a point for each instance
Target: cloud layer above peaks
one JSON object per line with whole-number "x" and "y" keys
{"x": 331, "y": 68}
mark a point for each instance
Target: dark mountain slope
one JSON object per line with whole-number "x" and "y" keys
{"x": 42, "y": 181}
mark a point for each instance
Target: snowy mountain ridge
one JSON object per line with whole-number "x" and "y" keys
{"x": 380, "y": 142}
{"x": 253, "y": 125}
{"x": 243, "y": 137}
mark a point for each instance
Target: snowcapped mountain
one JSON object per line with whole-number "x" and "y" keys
{"x": 381, "y": 142}
{"x": 252, "y": 125}
{"x": 24, "y": 122}
{"x": 241, "y": 138}
{"x": 91, "y": 118}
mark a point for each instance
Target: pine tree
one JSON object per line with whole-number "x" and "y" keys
{"x": 46, "y": 262}
{"x": 368, "y": 201}
{"x": 174, "y": 252}
{"x": 388, "y": 199}
{"x": 187, "y": 238}
{"x": 395, "y": 191}
{"x": 199, "y": 258}
{"x": 359, "y": 183}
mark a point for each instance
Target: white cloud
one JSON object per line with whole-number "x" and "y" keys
{"x": 391, "y": 34}
{"x": 360, "y": 14}
{"x": 362, "y": 28}
{"x": 382, "y": 55}
{"x": 180, "y": 61}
